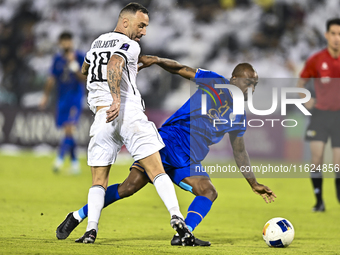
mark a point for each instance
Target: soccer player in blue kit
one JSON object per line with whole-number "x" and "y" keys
{"x": 187, "y": 135}
{"x": 66, "y": 75}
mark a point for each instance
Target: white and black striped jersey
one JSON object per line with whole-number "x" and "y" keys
{"x": 98, "y": 57}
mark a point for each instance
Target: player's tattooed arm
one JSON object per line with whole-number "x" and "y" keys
{"x": 85, "y": 68}
{"x": 175, "y": 67}
{"x": 169, "y": 65}
{"x": 114, "y": 76}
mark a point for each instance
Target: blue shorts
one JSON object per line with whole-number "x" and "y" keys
{"x": 175, "y": 158}
{"x": 68, "y": 115}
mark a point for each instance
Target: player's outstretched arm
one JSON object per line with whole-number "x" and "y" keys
{"x": 114, "y": 76}
{"x": 169, "y": 65}
{"x": 243, "y": 162}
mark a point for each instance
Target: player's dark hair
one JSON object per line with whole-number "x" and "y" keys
{"x": 133, "y": 8}
{"x": 65, "y": 36}
{"x": 241, "y": 68}
{"x": 330, "y": 22}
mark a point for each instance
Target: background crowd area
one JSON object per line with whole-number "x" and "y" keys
{"x": 276, "y": 37}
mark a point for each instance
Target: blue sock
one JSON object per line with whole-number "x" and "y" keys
{"x": 197, "y": 210}
{"x": 63, "y": 148}
{"x": 73, "y": 146}
{"x": 111, "y": 196}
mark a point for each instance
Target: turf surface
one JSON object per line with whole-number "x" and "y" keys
{"x": 34, "y": 200}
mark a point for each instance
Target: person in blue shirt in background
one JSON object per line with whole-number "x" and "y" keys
{"x": 187, "y": 135}
{"x": 66, "y": 75}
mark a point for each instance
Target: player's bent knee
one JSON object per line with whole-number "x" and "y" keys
{"x": 127, "y": 189}
{"x": 209, "y": 192}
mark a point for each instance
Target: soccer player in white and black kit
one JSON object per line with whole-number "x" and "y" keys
{"x": 111, "y": 69}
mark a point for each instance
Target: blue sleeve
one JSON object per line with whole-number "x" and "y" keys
{"x": 238, "y": 133}
{"x": 201, "y": 73}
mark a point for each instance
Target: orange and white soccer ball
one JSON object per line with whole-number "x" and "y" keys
{"x": 278, "y": 232}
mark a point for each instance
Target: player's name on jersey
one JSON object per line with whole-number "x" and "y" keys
{"x": 105, "y": 44}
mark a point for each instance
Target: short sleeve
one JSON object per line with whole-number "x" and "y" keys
{"x": 87, "y": 58}
{"x": 129, "y": 51}
{"x": 238, "y": 133}
{"x": 309, "y": 70}
{"x": 201, "y": 73}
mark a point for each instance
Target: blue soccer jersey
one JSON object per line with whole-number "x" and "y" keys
{"x": 69, "y": 90}
{"x": 196, "y": 132}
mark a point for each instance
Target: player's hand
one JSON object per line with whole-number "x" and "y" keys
{"x": 112, "y": 112}
{"x": 146, "y": 60}
{"x": 310, "y": 104}
{"x": 43, "y": 103}
{"x": 264, "y": 192}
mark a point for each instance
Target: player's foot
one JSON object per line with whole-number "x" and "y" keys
{"x": 319, "y": 207}
{"x": 67, "y": 226}
{"x": 176, "y": 240}
{"x": 75, "y": 167}
{"x": 58, "y": 163}
{"x": 184, "y": 233}
{"x": 88, "y": 237}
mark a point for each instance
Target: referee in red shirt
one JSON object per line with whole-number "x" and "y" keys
{"x": 324, "y": 66}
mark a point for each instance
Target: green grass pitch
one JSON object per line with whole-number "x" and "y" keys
{"x": 34, "y": 200}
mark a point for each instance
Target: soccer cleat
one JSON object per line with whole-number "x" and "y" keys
{"x": 184, "y": 233}
{"x": 56, "y": 170}
{"x": 176, "y": 240}
{"x": 88, "y": 237}
{"x": 319, "y": 207}
{"x": 67, "y": 226}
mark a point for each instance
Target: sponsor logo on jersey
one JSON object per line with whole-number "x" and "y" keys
{"x": 324, "y": 66}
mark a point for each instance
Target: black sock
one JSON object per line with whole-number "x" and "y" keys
{"x": 337, "y": 186}
{"x": 317, "y": 185}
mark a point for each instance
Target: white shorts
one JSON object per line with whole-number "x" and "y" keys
{"x": 131, "y": 128}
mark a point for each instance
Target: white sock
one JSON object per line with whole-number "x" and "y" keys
{"x": 166, "y": 191}
{"x": 95, "y": 205}
{"x": 77, "y": 216}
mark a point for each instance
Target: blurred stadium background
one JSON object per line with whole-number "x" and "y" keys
{"x": 275, "y": 36}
